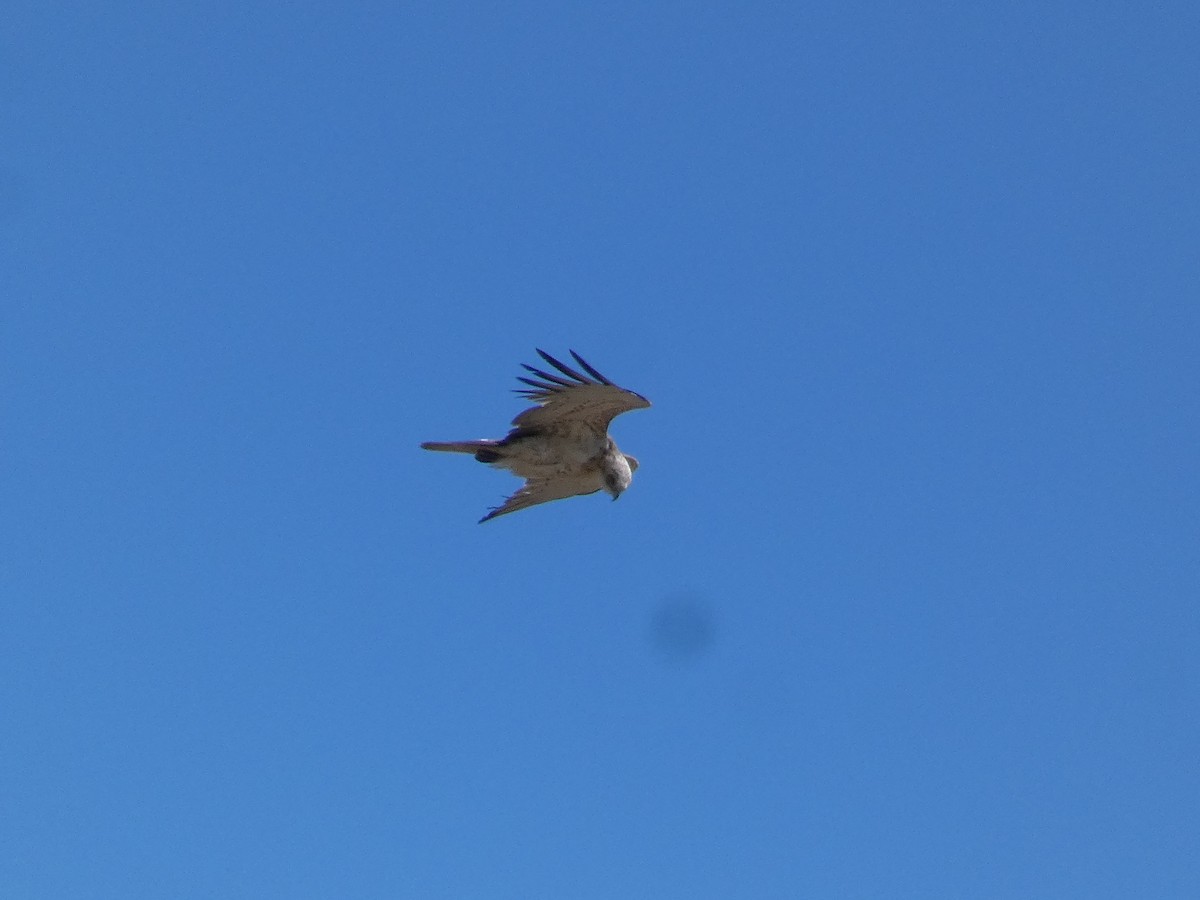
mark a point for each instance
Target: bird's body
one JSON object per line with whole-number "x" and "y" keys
{"x": 560, "y": 447}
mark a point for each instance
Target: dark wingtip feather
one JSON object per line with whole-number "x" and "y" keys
{"x": 562, "y": 367}
{"x": 537, "y": 384}
{"x": 546, "y": 375}
{"x": 583, "y": 362}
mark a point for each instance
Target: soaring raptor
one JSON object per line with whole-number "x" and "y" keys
{"x": 561, "y": 446}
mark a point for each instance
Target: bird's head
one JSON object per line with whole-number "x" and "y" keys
{"x": 618, "y": 473}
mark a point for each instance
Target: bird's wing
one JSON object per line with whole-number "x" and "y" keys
{"x": 573, "y": 396}
{"x": 543, "y": 490}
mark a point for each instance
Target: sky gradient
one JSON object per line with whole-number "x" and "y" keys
{"x": 902, "y": 601}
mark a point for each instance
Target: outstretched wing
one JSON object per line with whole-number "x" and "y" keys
{"x": 573, "y": 396}
{"x": 543, "y": 490}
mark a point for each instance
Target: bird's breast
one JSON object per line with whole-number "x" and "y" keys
{"x": 554, "y": 452}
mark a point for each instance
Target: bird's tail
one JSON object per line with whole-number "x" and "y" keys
{"x": 457, "y": 446}
{"x": 483, "y": 450}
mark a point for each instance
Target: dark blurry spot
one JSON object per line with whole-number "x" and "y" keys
{"x": 682, "y": 629}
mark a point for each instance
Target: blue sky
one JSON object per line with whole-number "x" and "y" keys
{"x": 903, "y": 599}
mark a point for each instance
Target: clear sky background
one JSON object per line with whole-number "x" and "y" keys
{"x": 903, "y": 601}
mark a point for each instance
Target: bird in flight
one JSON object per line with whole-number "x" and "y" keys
{"x": 561, "y": 446}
